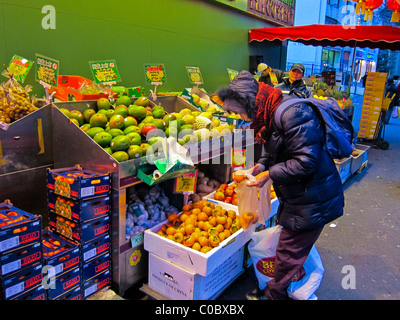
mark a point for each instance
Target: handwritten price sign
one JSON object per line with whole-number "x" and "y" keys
{"x": 155, "y": 74}
{"x": 194, "y": 74}
{"x": 105, "y": 71}
{"x": 19, "y": 67}
{"x": 47, "y": 70}
{"x": 186, "y": 182}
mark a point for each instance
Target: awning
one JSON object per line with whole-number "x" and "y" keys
{"x": 382, "y": 37}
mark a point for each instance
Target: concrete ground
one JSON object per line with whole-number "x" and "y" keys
{"x": 366, "y": 239}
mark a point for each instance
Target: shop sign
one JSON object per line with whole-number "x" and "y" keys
{"x": 232, "y": 73}
{"x": 279, "y": 11}
{"x": 155, "y": 74}
{"x": 186, "y": 183}
{"x": 194, "y": 74}
{"x": 46, "y": 70}
{"x": 19, "y": 67}
{"x": 105, "y": 71}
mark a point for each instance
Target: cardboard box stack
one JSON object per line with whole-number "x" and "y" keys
{"x": 20, "y": 254}
{"x": 372, "y": 104}
{"x": 79, "y": 204}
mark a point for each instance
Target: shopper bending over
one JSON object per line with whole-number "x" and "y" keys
{"x": 304, "y": 177}
{"x": 295, "y": 81}
{"x": 268, "y": 75}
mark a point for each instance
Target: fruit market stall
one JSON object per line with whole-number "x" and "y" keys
{"x": 72, "y": 145}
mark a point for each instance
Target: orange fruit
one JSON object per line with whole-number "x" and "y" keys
{"x": 188, "y": 241}
{"x": 196, "y": 246}
{"x": 212, "y": 221}
{"x": 231, "y": 214}
{"x": 214, "y": 240}
{"x": 228, "y": 223}
{"x": 186, "y": 207}
{"x": 221, "y": 236}
{"x": 170, "y": 231}
{"x": 221, "y": 219}
{"x": 202, "y": 216}
{"x": 219, "y": 228}
{"x": 178, "y": 237}
{"x": 194, "y": 216}
{"x": 205, "y": 249}
{"x": 184, "y": 216}
{"x": 172, "y": 217}
{"x": 189, "y": 228}
{"x": 196, "y": 211}
{"x": 208, "y": 210}
{"x": 203, "y": 241}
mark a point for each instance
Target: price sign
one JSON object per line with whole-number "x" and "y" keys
{"x": 46, "y": 70}
{"x": 194, "y": 74}
{"x": 155, "y": 74}
{"x": 232, "y": 73}
{"x": 19, "y": 67}
{"x": 105, "y": 71}
{"x": 186, "y": 183}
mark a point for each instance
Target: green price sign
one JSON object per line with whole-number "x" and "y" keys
{"x": 232, "y": 73}
{"x": 46, "y": 70}
{"x": 155, "y": 74}
{"x": 194, "y": 74}
{"x": 19, "y": 67}
{"x": 105, "y": 71}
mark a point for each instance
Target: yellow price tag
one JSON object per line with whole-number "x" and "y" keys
{"x": 186, "y": 182}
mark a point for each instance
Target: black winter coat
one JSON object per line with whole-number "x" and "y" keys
{"x": 304, "y": 175}
{"x": 298, "y": 85}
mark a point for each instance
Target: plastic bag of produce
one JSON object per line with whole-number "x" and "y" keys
{"x": 262, "y": 251}
{"x": 254, "y": 204}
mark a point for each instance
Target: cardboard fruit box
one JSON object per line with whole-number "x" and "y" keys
{"x": 20, "y": 258}
{"x": 79, "y": 210}
{"x": 18, "y": 228}
{"x": 190, "y": 259}
{"x": 77, "y": 183}
{"x": 81, "y": 232}
{"x": 17, "y": 283}
{"x": 177, "y": 283}
{"x": 93, "y": 249}
{"x": 64, "y": 282}
{"x": 97, "y": 283}
{"x": 62, "y": 255}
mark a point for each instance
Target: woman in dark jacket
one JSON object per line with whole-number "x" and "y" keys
{"x": 305, "y": 180}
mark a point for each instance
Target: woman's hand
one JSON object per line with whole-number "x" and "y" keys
{"x": 260, "y": 179}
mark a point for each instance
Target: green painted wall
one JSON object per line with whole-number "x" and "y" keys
{"x": 174, "y": 32}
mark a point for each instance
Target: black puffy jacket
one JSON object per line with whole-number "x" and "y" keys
{"x": 298, "y": 85}
{"x": 304, "y": 175}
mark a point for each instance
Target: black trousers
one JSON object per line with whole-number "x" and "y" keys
{"x": 292, "y": 251}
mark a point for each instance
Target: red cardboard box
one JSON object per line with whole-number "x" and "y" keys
{"x": 19, "y": 282}
{"x": 95, "y": 248}
{"x": 76, "y": 183}
{"x": 81, "y": 232}
{"x": 17, "y": 228}
{"x": 59, "y": 253}
{"x": 97, "y": 283}
{"x": 64, "y": 282}
{"x": 37, "y": 293}
{"x": 73, "y": 294}
{"x": 79, "y": 210}
{"x": 96, "y": 266}
{"x": 21, "y": 258}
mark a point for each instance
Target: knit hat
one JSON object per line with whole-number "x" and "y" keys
{"x": 240, "y": 95}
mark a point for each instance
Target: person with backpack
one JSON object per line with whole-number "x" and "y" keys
{"x": 304, "y": 177}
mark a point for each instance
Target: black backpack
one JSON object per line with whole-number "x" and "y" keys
{"x": 339, "y": 131}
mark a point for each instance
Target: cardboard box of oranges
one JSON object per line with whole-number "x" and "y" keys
{"x": 18, "y": 228}
{"x": 198, "y": 239}
{"x": 59, "y": 253}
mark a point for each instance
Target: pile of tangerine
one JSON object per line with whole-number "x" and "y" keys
{"x": 202, "y": 226}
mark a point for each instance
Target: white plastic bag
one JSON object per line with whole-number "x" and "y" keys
{"x": 262, "y": 251}
{"x": 254, "y": 200}
{"x": 395, "y": 112}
